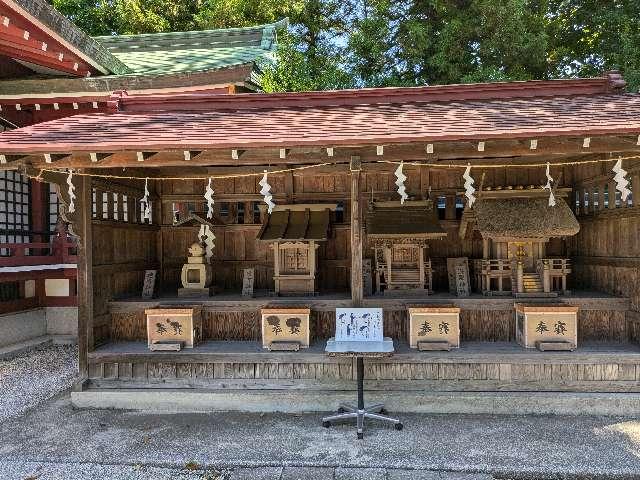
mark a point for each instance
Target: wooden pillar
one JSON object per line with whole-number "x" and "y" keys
{"x": 593, "y": 194}
{"x": 99, "y": 207}
{"x": 612, "y": 195}
{"x": 356, "y": 234}
{"x": 109, "y": 205}
{"x": 389, "y": 258}
{"x": 276, "y": 266}
{"x": 600, "y": 197}
{"x": 85, "y": 273}
{"x": 450, "y": 207}
{"x": 421, "y": 265}
{"x": 546, "y": 277}
{"x": 519, "y": 277}
{"x": 39, "y": 201}
{"x": 311, "y": 259}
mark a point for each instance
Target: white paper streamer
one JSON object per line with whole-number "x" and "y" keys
{"x": 468, "y": 186}
{"x": 72, "y": 195}
{"x": 208, "y": 195}
{"x": 621, "y": 181}
{"x": 266, "y": 192}
{"x": 552, "y": 198}
{"x": 144, "y": 201}
{"x": 207, "y": 237}
{"x": 400, "y": 178}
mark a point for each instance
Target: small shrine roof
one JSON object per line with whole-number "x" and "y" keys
{"x": 520, "y": 218}
{"x": 390, "y": 220}
{"x": 297, "y": 223}
{"x": 196, "y": 219}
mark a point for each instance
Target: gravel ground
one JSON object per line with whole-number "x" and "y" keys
{"x": 532, "y": 446}
{"x": 89, "y": 471}
{"x": 35, "y": 376}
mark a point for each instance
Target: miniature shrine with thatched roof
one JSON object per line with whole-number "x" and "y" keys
{"x": 516, "y": 226}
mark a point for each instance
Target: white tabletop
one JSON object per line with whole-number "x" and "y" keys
{"x": 360, "y": 347}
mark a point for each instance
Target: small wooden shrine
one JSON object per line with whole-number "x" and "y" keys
{"x": 517, "y": 227}
{"x": 399, "y": 235}
{"x": 294, "y": 232}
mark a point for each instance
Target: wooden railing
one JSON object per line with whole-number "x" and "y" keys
{"x": 490, "y": 273}
{"x": 553, "y": 273}
{"x": 60, "y": 250}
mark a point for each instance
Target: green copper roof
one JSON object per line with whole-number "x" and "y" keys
{"x": 162, "y": 53}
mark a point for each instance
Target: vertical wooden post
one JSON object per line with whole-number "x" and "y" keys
{"x": 592, "y": 193}
{"x": 276, "y": 266}
{"x": 311, "y": 259}
{"x": 421, "y": 265}
{"x": 600, "y": 197}
{"x": 635, "y": 189}
{"x": 450, "y": 207}
{"x": 110, "y": 210}
{"x": 39, "y": 203}
{"x": 85, "y": 274}
{"x": 612, "y": 195}
{"x": 356, "y": 234}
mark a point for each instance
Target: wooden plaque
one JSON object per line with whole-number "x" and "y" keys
{"x": 165, "y": 325}
{"x": 248, "y": 279}
{"x": 545, "y": 324}
{"x": 282, "y": 324}
{"x": 458, "y": 270}
{"x": 434, "y": 325}
{"x": 149, "y": 285}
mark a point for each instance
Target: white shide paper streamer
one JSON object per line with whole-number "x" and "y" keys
{"x": 548, "y": 186}
{"x": 266, "y": 192}
{"x": 468, "y": 186}
{"x": 621, "y": 182}
{"x": 208, "y": 195}
{"x": 400, "y": 178}
{"x": 72, "y": 195}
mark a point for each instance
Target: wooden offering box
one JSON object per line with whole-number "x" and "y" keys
{"x": 284, "y": 326}
{"x": 174, "y": 325}
{"x": 547, "y": 327}
{"x": 434, "y": 328}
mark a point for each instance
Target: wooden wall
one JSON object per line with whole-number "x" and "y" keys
{"x": 237, "y": 247}
{"x": 122, "y": 247}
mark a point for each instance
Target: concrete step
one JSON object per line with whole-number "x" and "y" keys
{"x": 300, "y": 401}
{"x": 11, "y": 351}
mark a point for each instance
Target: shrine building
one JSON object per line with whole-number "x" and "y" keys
{"x": 495, "y": 224}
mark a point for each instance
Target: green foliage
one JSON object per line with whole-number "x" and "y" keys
{"x": 356, "y": 43}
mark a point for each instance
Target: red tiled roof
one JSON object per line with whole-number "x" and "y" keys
{"x": 361, "y": 124}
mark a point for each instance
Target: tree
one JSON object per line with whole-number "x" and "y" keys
{"x": 358, "y": 43}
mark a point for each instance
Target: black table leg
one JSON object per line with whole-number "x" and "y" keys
{"x": 359, "y": 413}
{"x": 360, "y": 379}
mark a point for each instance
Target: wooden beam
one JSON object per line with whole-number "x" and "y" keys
{"x": 54, "y": 157}
{"x": 98, "y": 157}
{"x": 356, "y": 234}
{"x": 494, "y": 150}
